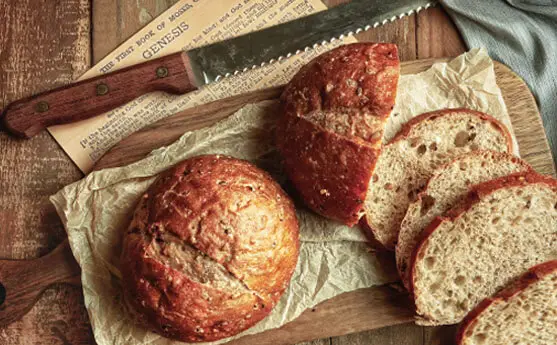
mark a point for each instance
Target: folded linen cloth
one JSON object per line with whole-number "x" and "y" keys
{"x": 521, "y": 34}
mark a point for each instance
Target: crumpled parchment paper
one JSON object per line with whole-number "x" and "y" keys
{"x": 467, "y": 81}
{"x": 333, "y": 258}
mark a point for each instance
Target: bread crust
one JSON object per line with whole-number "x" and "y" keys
{"x": 473, "y": 197}
{"x": 532, "y": 276}
{"x": 330, "y": 184}
{"x": 407, "y": 129}
{"x": 479, "y": 153}
{"x": 212, "y": 247}
{"x": 331, "y": 170}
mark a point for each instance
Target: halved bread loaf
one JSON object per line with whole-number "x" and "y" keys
{"x": 504, "y": 227}
{"x": 523, "y": 313}
{"x": 408, "y": 161}
{"x": 445, "y": 189}
{"x": 330, "y": 131}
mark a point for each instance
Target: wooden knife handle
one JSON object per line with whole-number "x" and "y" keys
{"x": 23, "y": 281}
{"x": 92, "y": 97}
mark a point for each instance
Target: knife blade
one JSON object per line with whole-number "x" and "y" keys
{"x": 184, "y": 72}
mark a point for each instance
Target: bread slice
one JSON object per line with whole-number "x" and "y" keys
{"x": 445, "y": 189}
{"x": 504, "y": 227}
{"x": 523, "y": 313}
{"x": 408, "y": 161}
{"x": 330, "y": 130}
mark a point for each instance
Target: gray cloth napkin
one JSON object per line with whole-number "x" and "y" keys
{"x": 521, "y": 34}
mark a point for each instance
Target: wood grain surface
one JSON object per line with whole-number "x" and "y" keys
{"x": 44, "y": 44}
{"x": 23, "y": 281}
{"x": 114, "y": 21}
{"x": 352, "y": 312}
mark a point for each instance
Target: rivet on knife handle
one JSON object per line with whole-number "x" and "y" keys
{"x": 96, "y": 96}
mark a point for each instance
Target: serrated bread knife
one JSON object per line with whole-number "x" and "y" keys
{"x": 183, "y": 72}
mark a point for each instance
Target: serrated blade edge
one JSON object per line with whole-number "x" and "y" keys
{"x": 257, "y": 49}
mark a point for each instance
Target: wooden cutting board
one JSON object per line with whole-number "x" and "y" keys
{"x": 351, "y": 312}
{"x": 367, "y": 308}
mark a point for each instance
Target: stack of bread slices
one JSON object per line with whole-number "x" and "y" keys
{"x": 464, "y": 215}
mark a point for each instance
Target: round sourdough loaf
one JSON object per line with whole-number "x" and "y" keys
{"x": 330, "y": 130}
{"x": 211, "y": 248}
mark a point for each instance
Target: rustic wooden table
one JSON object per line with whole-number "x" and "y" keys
{"x": 45, "y": 44}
